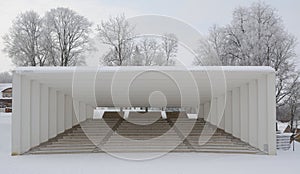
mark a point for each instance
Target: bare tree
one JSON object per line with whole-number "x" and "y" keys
{"x": 149, "y": 52}
{"x": 290, "y": 111}
{"x": 125, "y": 50}
{"x": 169, "y": 47}
{"x": 256, "y": 37}
{"x": 67, "y": 36}
{"x": 137, "y": 58}
{"x": 22, "y": 41}
{"x": 117, "y": 33}
{"x": 294, "y": 102}
{"x": 150, "y": 49}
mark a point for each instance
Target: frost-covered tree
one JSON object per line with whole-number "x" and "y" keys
{"x": 22, "y": 41}
{"x": 117, "y": 33}
{"x": 67, "y": 36}
{"x": 126, "y": 49}
{"x": 150, "y": 49}
{"x": 60, "y": 38}
{"x": 137, "y": 58}
{"x": 256, "y": 36}
{"x": 290, "y": 111}
{"x": 152, "y": 53}
{"x": 170, "y": 47}
{"x": 294, "y": 103}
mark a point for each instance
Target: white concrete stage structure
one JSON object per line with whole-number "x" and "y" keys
{"x": 49, "y": 100}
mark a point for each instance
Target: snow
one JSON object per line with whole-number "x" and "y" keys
{"x": 8, "y": 98}
{"x": 282, "y": 126}
{"x": 261, "y": 69}
{"x": 172, "y": 163}
{"x": 4, "y": 86}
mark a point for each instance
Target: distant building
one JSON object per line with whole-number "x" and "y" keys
{"x": 6, "y": 96}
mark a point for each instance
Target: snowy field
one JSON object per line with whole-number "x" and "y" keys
{"x": 171, "y": 163}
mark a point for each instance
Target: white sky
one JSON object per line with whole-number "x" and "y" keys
{"x": 201, "y": 14}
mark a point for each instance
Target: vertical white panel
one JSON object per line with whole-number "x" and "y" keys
{"x": 35, "y": 113}
{"x": 262, "y": 114}
{"x": 271, "y": 118}
{"x": 244, "y": 100}
{"x": 201, "y": 111}
{"x": 82, "y": 111}
{"x": 75, "y": 105}
{"x": 206, "y": 110}
{"x": 44, "y": 113}
{"x": 26, "y": 115}
{"x": 236, "y": 121}
{"x": 89, "y": 112}
{"x": 213, "y": 118}
{"x": 228, "y": 112}
{"x": 52, "y": 113}
{"x": 253, "y": 114}
{"x": 60, "y": 112}
{"x": 220, "y": 114}
{"x": 76, "y": 114}
{"x": 69, "y": 112}
{"x": 16, "y": 114}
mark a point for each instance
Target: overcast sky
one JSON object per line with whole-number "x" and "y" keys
{"x": 201, "y": 14}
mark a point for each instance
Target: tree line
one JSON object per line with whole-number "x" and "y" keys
{"x": 127, "y": 49}
{"x": 62, "y": 37}
{"x": 256, "y": 36}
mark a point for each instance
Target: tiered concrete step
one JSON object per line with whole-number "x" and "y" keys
{"x": 144, "y": 132}
{"x": 204, "y": 137}
{"x": 83, "y": 138}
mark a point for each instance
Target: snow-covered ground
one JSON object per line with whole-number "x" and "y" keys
{"x": 172, "y": 163}
{"x": 282, "y": 126}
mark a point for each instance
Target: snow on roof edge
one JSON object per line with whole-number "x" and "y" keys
{"x": 4, "y": 86}
{"x": 263, "y": 69}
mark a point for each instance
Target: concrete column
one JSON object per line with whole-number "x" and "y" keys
{"x": 244, "y": 104}
{"x": 228, "y": 113}
{"x": 68, "y": 112}
{"x": 262, "y": 115}
{"x": 163, "y": 114}
{"x": 52, "y": 113}
{"x": 271, "y": 113}
{"x": 236, "y": 120}
{"x": 44, "y": 135}
{"x": 60, "y": 112}
{"x": 26, "y": 115}
{"x": 220, "y": 114}
{"x": 192, "y": 112}
{"x": 126, "y": 113}
{"x": 16, "y": 114}
{"x": 253, "y": 113}
{"x": 35, "y": 100}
